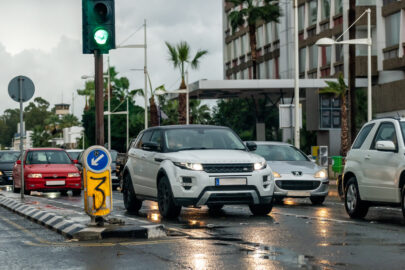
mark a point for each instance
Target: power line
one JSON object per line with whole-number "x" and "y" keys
{"x": 139, "y": 28}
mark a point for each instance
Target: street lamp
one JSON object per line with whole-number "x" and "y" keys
{"x": 145, "y": 70}
{"x": 363, "y": 41}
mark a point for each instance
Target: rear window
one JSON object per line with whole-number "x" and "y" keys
{"x": 47, "y": 157}
{"x": 362, "y": 136}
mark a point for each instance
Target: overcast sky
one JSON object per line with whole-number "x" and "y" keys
{"x": 42, "y": 39}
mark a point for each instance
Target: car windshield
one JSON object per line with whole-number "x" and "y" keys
{"x": 280, "y": 153}
{"x": 202, "y": 138}
{"x": 403, "y": 130}
{"x": 47, "y": 157}
{"x": 8, "y": 157}
{"x": 113, "y": 155}
{"x": 74, "y": 154}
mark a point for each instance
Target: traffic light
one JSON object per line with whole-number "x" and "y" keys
{"x": 98, "y": 25}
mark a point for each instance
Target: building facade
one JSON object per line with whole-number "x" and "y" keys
{"x": 318, "y": 19}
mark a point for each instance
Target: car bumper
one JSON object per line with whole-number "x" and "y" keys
{"x": 202, "y": 188}
{"x": 6, "y": 180}
{"x": 46, "y": 184}
{"x": 299, "y": 188}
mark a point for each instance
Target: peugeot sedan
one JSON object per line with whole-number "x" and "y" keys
{"x": 294, "y": 173}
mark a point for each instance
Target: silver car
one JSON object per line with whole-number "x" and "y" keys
{"x": 294, "y": 173}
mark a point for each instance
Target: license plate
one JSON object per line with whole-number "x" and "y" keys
{"x": 298, "y": 193}
{"x": 55, "y": 183}
{"x": 10, "y": 178}
{"x": 230, "y": 181}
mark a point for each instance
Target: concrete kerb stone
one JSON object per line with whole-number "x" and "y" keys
{"x": 71, "y": 229}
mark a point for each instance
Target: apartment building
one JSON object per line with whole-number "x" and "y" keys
{"x": 318, "y": 19}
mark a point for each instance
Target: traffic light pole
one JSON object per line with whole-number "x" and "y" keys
{"x": 99, "y": 98}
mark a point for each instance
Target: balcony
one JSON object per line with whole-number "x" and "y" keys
{"x": 391, "y": 59}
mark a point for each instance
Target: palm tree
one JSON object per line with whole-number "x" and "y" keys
{"x": 180, "y": 56}
{"x": 69, "y": 120}
{"x": 200, "y": 114}
{"x": 250, "y": 14}
{"x": 339, "y": 89}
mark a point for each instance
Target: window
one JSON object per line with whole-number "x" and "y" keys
{"x": 301, "y": 17}
{"x": 245, "y": 73}
{"x": 362, "y": 136}
{"x": 156, "y": 137}
{"x": 276, "y": 32}
{"x": 145, "y": 138}
{"x": 313, "y": 12}
{"x": 313, "y": 57}
{"x": 330, "y": 112}
{"x": 236, "y": 44}
{"x": 47, "y": 157}
{"x": 385, "y": 132}
{"x": 245, "y": 43}
{"x": 268, "y": 33}
{"x": 325, "y": 11}
{"x": 262, "y": 71}
{"x": 339, "y": 53}
{"x": 325, "y": 55}
{"x": 229, "y": 52}
{"x": 270, "y": 70}
{"x": 392, "y": 29}
{"x": 338, "y": 7}
{"x": 302, "y": 60}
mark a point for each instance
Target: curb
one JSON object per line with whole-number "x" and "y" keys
{"x": 71, "y": 229}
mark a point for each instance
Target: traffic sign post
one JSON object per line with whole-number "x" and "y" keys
{"x": 21, "y": 89}
{"x": 97, "y": 182}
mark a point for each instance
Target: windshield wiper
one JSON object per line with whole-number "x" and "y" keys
{"x": 192, "y": 148}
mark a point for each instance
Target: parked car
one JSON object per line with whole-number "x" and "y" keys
{"x": 295, "y": 175}
{"x": 7, "y": 160}
{"x": 193, "y": 165}
{"x": 374, "y": 173}
{"x": 47, "y": 169}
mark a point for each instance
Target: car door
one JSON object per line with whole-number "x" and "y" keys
{"x": 152, "y": 164}
{"x": 380, "y": 167}
{"x": 137, "y": 164}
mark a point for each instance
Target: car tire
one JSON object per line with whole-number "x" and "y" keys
{"x": 355, "y": 207}
{"x": 317, "y": 200}
{"x": 403, "y": 200}
{"x": 27, "y": 192}
{"x": 167, "y": 207}
{"x": 63, "y": 192}
{"x": 339, "y": 184}
{"x": 260, "y": 209}
{"x": 16, "y": 190}
{"x": 215, "y": 207}
{"x": 131, "y": 203}
{"x": 76, "y": 192}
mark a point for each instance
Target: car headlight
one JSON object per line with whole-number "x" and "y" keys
{"x": 74, "y": 174}
{"x": 260, "y": 165}
{"x": 34, "y": 175}
{"x": 1, "y": 173}
{"x": 189, "y": 166}
{"x": 321, "y": 174}
{"x": 276, "y": 175}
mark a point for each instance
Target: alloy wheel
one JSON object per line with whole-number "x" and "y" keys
{"x": 351, "y": 200}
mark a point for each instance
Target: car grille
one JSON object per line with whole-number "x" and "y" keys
{"x": 297, "y": 185}
{"x": 228, "y": 168}
{"x": 8, "y": 173}
{"x": 238, "y": 198}
{"x": 53, "y": 177}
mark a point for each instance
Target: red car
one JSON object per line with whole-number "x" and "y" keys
{"x": 47, "y": 169}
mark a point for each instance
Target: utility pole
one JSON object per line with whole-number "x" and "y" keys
{"x": 352, "y": 71}
{"x": 146, "y": 80}
{"x": 109, "y": 106}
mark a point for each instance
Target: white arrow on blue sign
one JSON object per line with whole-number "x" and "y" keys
{"x": 98, "y": 159}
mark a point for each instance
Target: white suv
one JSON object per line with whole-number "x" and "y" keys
{"x": 195, "y": 165}
{"x": 374, "y": 172}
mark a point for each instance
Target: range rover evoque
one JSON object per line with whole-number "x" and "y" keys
{"x": 195, "y": 165}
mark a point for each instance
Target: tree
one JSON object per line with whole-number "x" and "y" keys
{"x": 339, "y": 90}
{"x": 180, "y": 56}
{"x": 199, "y": 114}
{"x": 69, "y": 120}
{"x": 250, "y": 14}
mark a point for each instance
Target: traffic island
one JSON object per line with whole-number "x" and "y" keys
{"x": 35, "y": 211}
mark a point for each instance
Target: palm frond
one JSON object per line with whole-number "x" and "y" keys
{"x": 196, "y": 60}
{"x": 173, "y": 55}
{"x": 236, "y": 19}
{"x": 183, "y": 50}
{"x": 135, "y": 92}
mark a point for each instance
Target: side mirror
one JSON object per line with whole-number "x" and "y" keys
{"x": 311, "y": 158}
{"x": 385, "y": 146}
{"x": 18, "y": 162}
{"x": 251, "y": 146}
{"x": 75, "y": 161}
{"x": 150, "y": 146}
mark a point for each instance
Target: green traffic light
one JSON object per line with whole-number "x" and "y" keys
{"x": 101, "y": 36}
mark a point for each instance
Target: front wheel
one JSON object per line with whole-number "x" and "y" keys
{"x": 167, "y": 207}
{"x": 354, "y": 206}
{"x": 260, "y": 209}
{"x": 131, "y": 203}
{"x": 318, "y": 200}
{"x": 76, "y": 192}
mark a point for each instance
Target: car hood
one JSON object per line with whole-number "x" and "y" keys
{"x": 6, "y": 166}
{"x": 214, "y": 156}
{"x": 51, "y": 168}
{"x": 289, "y": 166}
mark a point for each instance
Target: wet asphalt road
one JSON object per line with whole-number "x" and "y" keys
{"x": 296, "y": 235}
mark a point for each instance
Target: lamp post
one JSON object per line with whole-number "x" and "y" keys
{"x": 145, "y": 70}
{"x": 363, "y": 41}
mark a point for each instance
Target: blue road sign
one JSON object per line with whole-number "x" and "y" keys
{"x": 97, "y": 160}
